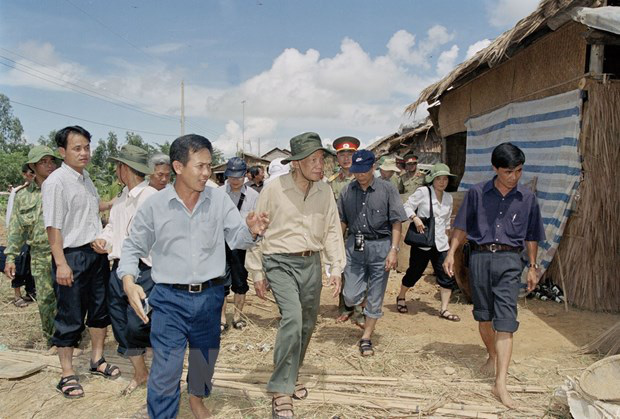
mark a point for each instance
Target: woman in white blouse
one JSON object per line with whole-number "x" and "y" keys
{"x": 418, "y": 205}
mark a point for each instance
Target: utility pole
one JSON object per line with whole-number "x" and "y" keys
{"x": 259, "y": 147}
{"x": 243, "y": 127}
{"x": 182, "y": 107}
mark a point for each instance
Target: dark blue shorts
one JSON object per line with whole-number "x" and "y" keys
{"x": 495, "y": 279}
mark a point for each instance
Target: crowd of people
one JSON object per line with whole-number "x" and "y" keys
{"x": 161, "y": 268}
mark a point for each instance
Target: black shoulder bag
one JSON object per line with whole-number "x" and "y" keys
{"x": 426, "y": 239}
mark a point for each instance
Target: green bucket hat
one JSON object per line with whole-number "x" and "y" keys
{"x": 438, "y": 169}
{"x": 37, "y": 152}
{"x": 303, "y": 145}
{"x": 134, "y": 157}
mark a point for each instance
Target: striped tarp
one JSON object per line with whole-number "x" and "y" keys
{"x": 547, "y": 130}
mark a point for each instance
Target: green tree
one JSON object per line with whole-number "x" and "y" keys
{"x": 218, "y": 157}
{"x": 11, "y": 129}
{"x": 49, "y": 140}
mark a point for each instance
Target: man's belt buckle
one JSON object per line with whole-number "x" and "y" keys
{"x": 195, "y": 288}
{"x": 493, "y": 247}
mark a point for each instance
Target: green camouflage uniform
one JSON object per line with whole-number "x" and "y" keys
{"x": 409, "y": 183}
{"x": 26, "y": 226}
{"x": 395, "y": 180}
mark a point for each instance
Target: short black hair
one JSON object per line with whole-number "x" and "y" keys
{"x": 182, "y": 146}
{"x": 26, "y": 168}
{"x": 507, "y": 156}
{"x": 255, "y": 171}
{"x": 62, "y": 135}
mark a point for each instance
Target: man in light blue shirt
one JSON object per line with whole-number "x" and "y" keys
{"x": 184, "y": 229}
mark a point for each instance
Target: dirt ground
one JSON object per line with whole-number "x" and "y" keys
{"x": 424, "y": 366}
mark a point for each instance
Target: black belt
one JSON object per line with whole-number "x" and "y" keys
{"x": 141, "y": 265}
{"x": 197, "y": 288}
{"x": 372, "y": 236}
{"x": 494, "y": 248}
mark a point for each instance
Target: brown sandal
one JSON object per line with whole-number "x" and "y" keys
{"x": 285, "y": 406}
{"x": 450, "y": 316}
{"x": 300, "y": 388}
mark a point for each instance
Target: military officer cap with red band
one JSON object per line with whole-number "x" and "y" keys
{"x": 346, "y": 143}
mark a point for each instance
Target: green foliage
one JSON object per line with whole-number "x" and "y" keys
{"x": 11, "y": 130}
{"x": 49, "y": 140}
{"x": 217, "y": 157}
{"x": 11, "y": 164}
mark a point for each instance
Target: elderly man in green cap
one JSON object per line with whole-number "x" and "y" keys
{"x": 304, "y": 224}
{"x": 129, "y": 331}
{"x": 26, "y": 226}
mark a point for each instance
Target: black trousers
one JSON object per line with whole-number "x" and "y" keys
{"x": 23, "y": 276}
{"x": 418, "y": 261}
{"x": 85, "y": 299}
{"x": 238, "y": 282}
{"x": 132, "y": 335}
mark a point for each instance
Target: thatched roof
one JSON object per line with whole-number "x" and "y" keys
{"x": 386, "y": 144}
{"x": 549, "y": 15}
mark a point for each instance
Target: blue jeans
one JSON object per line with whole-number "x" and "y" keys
{"x": 366, "y": 275}
{"x": 180, "y": 317}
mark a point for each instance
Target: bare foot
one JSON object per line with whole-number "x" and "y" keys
{"x": 343, "y": 317}
{"x": 502, "y": 394}
{"x": 134, "y": 384}
{"x": 488, "y": 368}
{"x": 198, "y": 408}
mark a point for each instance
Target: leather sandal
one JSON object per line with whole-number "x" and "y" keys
{"x": 68, "y": 384}
{"x": 108, "y": 370}
{"x": 401, "y": 307}
{"x": 284, "y": 406}
{"x": 366, "y": 347}
{"x": 300, "y": 388}
{"x": 239, "y": 324}
{"x": 450, "y": 316}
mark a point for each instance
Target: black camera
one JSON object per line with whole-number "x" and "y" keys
{"x": 359, "y": 242}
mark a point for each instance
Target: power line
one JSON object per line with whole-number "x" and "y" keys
{"x": 93, "y": 122}
{"x": 95, "y": 95}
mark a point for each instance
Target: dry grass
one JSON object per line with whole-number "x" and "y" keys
{"x": 424, "y": 366}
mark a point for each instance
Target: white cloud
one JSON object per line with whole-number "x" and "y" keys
{"x": 477, "y": 46}
{"x": 446, "y": 60}
{"x": 164, "y": 48}
{"x": 350, "y": 92}
{"x": 505, "y": 13}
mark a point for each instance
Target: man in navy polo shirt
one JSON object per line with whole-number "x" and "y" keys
{"x": 500, "y": 218}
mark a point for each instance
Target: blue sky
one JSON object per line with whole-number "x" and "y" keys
{"x": 339, "y": 67}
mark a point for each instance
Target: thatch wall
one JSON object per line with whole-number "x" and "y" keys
{"x": 590, "y": 247}
{"x": 552, "y": 65}
{"x": 422, "y": 140}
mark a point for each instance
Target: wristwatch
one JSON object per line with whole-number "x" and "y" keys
{"x": 533, "y": 265}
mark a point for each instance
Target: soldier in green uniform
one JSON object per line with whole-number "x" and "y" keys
{"x": 26, "y": 226}
{"x": 412, "y": 179}
{"x": 345, "y": 147}
{"x": 388, "y": 170}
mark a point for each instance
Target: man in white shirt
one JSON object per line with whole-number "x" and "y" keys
{"x": 71, "y": 217}
{"x": 129, "y": 330}
{"x": 244, "y": 198}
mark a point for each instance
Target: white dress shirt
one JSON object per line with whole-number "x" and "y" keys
{"x": 71, "y": 205}
{"x": 121, "y": 216}
{"x": 442, "y": 211}
{"x": 249, "y": 202}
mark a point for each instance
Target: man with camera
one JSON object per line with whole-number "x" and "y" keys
{"x": 372, "y": 211}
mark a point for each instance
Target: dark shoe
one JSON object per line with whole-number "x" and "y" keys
{"x": 450, "y": 316}
{"x": 239, "y": 324}
{"x": 108, "y": 370}
{"x": 223, "y": 327}
{"x": 66, "y": 385}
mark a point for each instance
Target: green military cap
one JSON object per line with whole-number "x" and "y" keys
{"x": 303, "y": 145}
{"x": 134, "y": 157}
{"x": 37, "y": 152}
{"x": 438, "y": 169}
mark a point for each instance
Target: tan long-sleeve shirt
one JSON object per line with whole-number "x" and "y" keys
{"x": 297, "y": 225}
